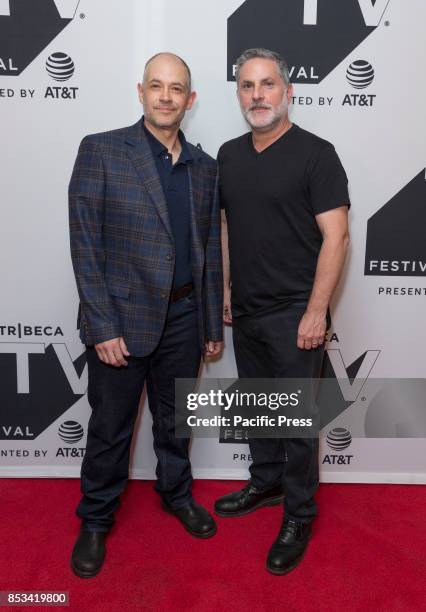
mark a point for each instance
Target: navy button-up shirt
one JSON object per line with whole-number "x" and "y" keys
{"x": 175, "y": 182}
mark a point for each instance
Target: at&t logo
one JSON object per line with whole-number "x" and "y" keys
{"x": 60, "y": 66}
{"x": 70, "y": 432}
{"x": 338, "y": 439}
{"x": 360, "y": 74}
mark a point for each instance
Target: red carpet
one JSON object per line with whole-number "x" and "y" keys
{"x": 367, "y": 553}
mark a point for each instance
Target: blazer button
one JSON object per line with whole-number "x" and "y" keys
{"x": 169, "y": 258}
{"x": 164, "y": 295}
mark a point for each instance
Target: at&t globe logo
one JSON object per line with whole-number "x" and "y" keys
{"x": 71, "y": 432}
{"x": 339, "y": 438}
{"x": 60, "y": 66}
{"x": 360, "y": 74}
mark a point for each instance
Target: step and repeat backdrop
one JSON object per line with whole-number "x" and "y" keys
{"x": 69, "y": 68}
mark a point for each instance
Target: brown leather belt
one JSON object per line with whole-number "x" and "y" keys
{"x": 181, "y": 292}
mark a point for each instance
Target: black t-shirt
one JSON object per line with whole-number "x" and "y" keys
{"x": 271, "y": 199}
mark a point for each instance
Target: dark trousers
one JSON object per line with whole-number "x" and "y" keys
{"x": 114, "y": 395}
{"x": 265, "y": 346}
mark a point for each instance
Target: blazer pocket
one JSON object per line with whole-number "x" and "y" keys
{"x": 118, "y": 290}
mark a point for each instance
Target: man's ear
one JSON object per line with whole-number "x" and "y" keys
{"x": 191, "y": 100}
{"x": 140, "y": 92}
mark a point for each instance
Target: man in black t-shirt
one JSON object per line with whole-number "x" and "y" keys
{"x": 285, "y": 234}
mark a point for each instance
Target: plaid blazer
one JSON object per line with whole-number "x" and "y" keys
{"x": 122, "y": 245}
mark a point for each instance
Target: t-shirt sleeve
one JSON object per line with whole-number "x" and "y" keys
{"x": 327, "y": 181}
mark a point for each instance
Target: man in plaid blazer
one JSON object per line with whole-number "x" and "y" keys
{"x": 145, "y": 246}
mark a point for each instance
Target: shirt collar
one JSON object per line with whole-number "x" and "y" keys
{"x": 159, "y": 149}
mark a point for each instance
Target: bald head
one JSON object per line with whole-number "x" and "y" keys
{"x": 167, "y": 60}
{"x": 165, "y": 92}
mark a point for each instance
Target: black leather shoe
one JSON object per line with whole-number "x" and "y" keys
{"x": 288, "y": 549}
{"x": 196, "y": 520}
{"x": 247, "y": 500}
{"x": 88, "y": 553}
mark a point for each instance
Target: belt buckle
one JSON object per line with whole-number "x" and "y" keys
{"x": 181, "y": 292}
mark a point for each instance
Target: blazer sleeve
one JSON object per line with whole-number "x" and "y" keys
{"x": 213, "y": 273}
{"x": 99, "y": 319}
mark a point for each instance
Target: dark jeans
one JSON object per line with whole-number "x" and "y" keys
{"x": 265, "y": 347}
{"x": 114, "y": 395}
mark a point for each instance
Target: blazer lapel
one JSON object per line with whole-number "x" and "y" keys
{"x": 139, "y": 151}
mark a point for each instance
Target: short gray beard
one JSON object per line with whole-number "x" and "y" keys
{"x": 277, "y": 115}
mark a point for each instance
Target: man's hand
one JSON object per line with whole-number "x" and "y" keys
{"x": 113, "y": 352}
{"x": 213, "y": 348}
{"x": 227, "y": 312}
{"x": 311, "y": 332}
